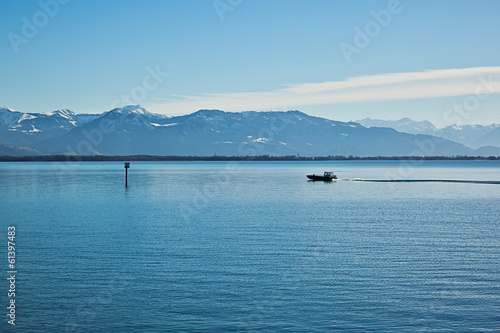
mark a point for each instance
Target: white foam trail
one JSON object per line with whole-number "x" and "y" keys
{"x": 426, "y": 181}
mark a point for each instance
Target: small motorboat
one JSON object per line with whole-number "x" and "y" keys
{"x": 327, "y": 176}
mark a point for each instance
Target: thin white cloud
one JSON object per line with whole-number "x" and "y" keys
{"x": 384, "y": 87}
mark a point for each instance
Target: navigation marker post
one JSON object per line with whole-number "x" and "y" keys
{"x": 127, "y": 166}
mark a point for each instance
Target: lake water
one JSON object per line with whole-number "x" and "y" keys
{"x": 252, "y": 246}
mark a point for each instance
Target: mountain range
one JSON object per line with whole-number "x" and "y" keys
{"x": 472, "y": 136}
{"x": 132, "y": 130}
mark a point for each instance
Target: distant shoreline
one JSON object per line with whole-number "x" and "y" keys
{"x": 153, "y": 158}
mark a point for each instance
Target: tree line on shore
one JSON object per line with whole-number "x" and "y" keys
{"x": 153, "y": 158}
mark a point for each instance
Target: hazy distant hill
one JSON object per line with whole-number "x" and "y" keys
{"x": 133, "y": 130}
{"x": 472, "y": 136}
{"x": 9, "y": 150}
{"x": 405, "y": 125}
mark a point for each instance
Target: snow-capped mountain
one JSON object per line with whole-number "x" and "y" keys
{"x": 472, "y": 136}
{"x": 21, "y": 129}
{"x": 120, "y": 118}
{"x": 133, "y": 130}
{"x": 492, "y": 137}
{"x": 28, "y": 128}
{"x": 8, "y": 116}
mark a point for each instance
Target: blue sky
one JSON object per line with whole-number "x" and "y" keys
{"x": 343, "y": 60}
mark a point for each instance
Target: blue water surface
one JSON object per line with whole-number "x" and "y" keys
{"x": 252, "y": 246}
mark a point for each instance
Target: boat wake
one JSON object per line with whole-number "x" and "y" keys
{"x": 425, "y": 181}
